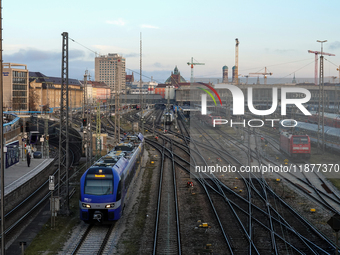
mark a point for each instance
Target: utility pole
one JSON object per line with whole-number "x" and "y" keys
{"x": 63, "y": 131}
{"x": 140, "y": 78}
{"x": 118, "y": 82}
{"x": 47, "y": 150}
{"x": 236, "y": 61}
{"x": 84, "y": 94}
{"x": 2, "y": 165}
{"x": 98, "y": 126}
{"x": 323, "y": 98}
{"x": 89, "y": 136}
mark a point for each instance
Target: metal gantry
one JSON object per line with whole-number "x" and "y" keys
{"x": 118, "y": 78}
{"x": 2, "y": 164}
{"x": 98, "y": 132}
{"x": 46, "y": 147}
{"x": 321, "y": 100}
{"x": 63, "y": 131}
{"x": 140, "y": 78}
{"x": 87, "y": 132}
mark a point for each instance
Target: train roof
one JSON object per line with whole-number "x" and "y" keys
{"x": 121, "y": 150}
{"x": 327, "y": 115}
{"x": 333, "y": 131}
{"x": 311, "y": 127}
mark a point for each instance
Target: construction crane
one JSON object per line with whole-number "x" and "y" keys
{"x": 236, "y": 61}
{"x": 338, "y": 69}
{"x": 265, "y": 74}
{"x": 192, "y": 69}
{"x": 333, "y": 78}
{"x": 316, "y": 63}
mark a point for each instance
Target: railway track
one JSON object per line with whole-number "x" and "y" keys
{"x": 167, "y": 238}
{"x": 258, "y": 220}
{"x": 307, "y": 181}
{"x": 93, "y": 240}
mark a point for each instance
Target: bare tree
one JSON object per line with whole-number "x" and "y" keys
{"x": 34, "y": 99}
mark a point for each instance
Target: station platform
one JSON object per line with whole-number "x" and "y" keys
{"x": 18, "y": 174}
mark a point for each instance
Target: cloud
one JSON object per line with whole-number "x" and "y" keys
{"x": 118, "y": 22}
{"x": 283, "y": 51}
{"x": 131, "y": 55}
{"x": 157, "y": 64}
{"x": 49, "y": 62}
{"x": 149, "y": 26}
{"x": 334, "y": 45}
{"x": 35, "y": 55}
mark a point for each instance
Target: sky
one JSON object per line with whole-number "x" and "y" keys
{"x": 272, "y": 34}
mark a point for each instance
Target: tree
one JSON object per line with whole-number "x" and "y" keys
{"x": 34, "y": 99}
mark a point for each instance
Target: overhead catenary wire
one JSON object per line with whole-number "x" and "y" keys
{"x": 84, "y": 46}
{"x": 294, "y": 71}
{"x": 125, "y": 67}
{"x": 254, "y": 68}
{"x": 216, "y": 73}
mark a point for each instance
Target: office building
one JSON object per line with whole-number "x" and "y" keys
{"x": 110, "y": 69}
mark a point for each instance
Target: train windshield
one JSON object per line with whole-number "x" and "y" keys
{"x": 300, "y": 140}
{"x": 99, "y": 184}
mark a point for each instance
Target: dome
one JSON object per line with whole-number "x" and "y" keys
{"x": 224, "y": 68}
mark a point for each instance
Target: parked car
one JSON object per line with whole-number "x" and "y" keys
{"x": 37, "y": 154}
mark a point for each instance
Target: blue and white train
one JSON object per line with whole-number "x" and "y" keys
{"x": 103, "y": 187}
{"x": 167, "y": 117}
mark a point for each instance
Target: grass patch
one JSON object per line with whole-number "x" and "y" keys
{"x": 336, "y": 182}
{"x": 132, "y": 238}
{"x": 326, "y": 157}
{"x": 50, "y": 241}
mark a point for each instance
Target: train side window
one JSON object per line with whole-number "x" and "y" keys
{"x": 119, "y": 191}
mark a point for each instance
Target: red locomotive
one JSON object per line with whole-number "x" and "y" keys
{"x": 296, "y": 146}
{"x": 209, "y": 119}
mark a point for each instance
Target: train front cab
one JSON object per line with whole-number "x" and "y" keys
{"x": 101, "y": 191}
{"x": 300, "y": 147}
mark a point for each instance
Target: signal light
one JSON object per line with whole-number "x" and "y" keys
{"x": 84, "y": 122}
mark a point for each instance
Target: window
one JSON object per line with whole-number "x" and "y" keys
{"x": 300, "y": 140}
{"x": 119, "y": 191}
{"x": 99, "y": 185}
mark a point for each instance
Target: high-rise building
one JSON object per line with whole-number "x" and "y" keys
{"x": 111, "y": 70}
{"x": 15, "y": 86}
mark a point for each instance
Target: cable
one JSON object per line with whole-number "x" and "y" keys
{"x": 277, "y": 64}
{"x": 83, "y": 46}
{"x": 331, "y": 62}
{"x": 142, "y": 75}
{"x": 98, "y": 54}
{"x": 294, "y": 71}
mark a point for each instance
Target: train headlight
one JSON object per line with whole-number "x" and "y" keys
{"x": 110, "y": 205}
{"x": 86, "y": 205}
